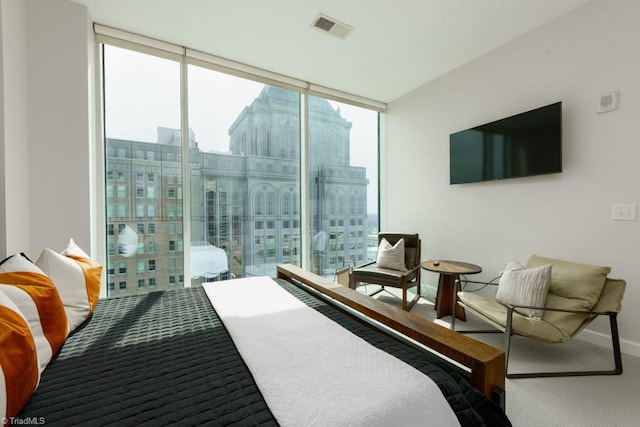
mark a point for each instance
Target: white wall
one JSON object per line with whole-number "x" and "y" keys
{"x": 47, "y": 132}
{"x": 14, "y": 170}
{"x": 575, "y": 59}
{"x": 60, "y": 117}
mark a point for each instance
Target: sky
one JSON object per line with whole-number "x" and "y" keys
{"x": 142, "y": 93}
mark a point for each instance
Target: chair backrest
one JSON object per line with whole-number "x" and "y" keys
{"x": 412, "y": 246}
{"x": 611, "y": 296}
{"x": 610, "y": 300}
{"x": 576, "y": 286}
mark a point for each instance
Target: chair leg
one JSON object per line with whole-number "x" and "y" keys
{"x": 404, "y": 297}
{"x": 453, "y": 318}
{"x": 454, "y": 303}
{"x": 455, "y": 307}
{"x": 414, "y": 300}
{"x": 508, "y": 334}
{"x": 376, "y": 292}
{"x": 615, "y": 341}
{"x": 617, "y": 358}
{"x": 406, "y": 305}
{"x": 353, "y": 284}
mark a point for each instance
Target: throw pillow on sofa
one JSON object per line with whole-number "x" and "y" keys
{"x": 19, "y": 368}
{"x": 525, "y": 286}
{"x": 77, "y": 278}
{"x": 37, "y": 298}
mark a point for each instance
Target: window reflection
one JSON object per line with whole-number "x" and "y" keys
{"x": 344, "y": 173}
{"x": 244, "y": 196}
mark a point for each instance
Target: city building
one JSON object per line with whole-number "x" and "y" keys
{"x": 245, "y": 204}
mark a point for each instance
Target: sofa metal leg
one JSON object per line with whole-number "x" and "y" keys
{"x": 615, "y": 341}
{"x": 617, "y": 359}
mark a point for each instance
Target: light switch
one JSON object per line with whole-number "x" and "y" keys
{"x": 625, "y": 212}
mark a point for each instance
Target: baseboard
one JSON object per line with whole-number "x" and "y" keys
{"x": 604, "y": 340}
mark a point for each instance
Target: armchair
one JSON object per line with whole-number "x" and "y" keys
{"x": 577, "y": 294}
{"x": 408, "y": 277}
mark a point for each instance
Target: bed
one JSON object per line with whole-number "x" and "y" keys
{"x": 166, "y": 358}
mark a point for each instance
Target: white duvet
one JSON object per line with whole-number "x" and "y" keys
{"x": 313, "y": 372}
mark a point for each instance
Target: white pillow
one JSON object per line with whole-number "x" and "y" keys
{"x": 514, "y": 264}
{"x": 391, "y": 257}
{"x": 525, "y": 287}
{"x": 77, "y": 278}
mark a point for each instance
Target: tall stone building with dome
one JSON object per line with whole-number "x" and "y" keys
{"x": 245, "y": 202}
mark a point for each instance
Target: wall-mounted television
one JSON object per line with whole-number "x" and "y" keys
{"x": 525, "y": 144}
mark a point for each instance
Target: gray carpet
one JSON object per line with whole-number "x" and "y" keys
{"x": 568, "y": 401}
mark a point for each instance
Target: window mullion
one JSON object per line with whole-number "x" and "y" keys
{"x": 186, "y": 171}
{"x": 305, "y": 202}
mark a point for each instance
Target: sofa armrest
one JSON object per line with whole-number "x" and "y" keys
{"x": 561, "y": 310}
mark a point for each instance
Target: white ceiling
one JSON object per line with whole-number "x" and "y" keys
{"x": 395, "y": 47}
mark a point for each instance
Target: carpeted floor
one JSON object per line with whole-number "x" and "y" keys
{"x": 568, "y": 401}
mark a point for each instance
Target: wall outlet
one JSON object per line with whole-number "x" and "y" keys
{"x": 625, "y": 212}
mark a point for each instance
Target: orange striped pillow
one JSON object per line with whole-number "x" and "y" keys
{"x": 37, "y": 298}
{"x": 19, "y": 371}
{"x": 78, "y": 279}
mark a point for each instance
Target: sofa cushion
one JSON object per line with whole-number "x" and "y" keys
{"x": 77, "y": 278}
{"x": 574, "y": 286}
{"x": 496, "y": 313}
{"x": 19, "y": 370}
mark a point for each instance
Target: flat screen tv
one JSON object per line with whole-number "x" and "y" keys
{"x": 526, "y": 144}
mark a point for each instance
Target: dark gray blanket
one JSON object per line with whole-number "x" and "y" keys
{"x": 165, "y": 358}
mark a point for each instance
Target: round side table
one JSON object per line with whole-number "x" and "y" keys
{"x": 449, "y": 271}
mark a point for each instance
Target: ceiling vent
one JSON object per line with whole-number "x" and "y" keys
{"x": 332, "y": 26}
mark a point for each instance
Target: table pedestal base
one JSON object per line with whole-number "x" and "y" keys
{"x": 444, "y": 297}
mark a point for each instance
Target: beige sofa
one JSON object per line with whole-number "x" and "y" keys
{"x": 576, "y": 295}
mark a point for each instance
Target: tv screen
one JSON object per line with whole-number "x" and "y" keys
{"x": 526, "y": 144}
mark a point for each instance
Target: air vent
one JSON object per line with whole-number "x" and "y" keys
{"x": 332, "y": 26}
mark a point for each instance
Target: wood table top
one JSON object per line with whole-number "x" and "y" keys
{"x": 451, "y": 267}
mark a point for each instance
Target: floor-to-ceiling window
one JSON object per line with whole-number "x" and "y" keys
{"x": 244, "y": 198}
{"x": 245, "y": 176}
{"x": 143, "y": 182}
{"x": 343, "y": 173}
